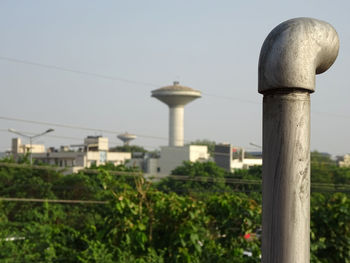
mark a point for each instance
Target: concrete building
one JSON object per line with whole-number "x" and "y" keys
{"x": 94, "y": 151}
{"x": 146, "y": 162}
{"x": 19, "y": 148}
{"x": 169, "y": 158}
{"x": 232, "y": 158}
{"x": 344, "y": 161}
{"x": 172, "y": 156}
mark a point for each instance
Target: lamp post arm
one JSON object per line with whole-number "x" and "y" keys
{"x": 19, "y": 133}
{"x": 41, "y": 134}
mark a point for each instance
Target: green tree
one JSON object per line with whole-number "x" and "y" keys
{"x": 330, "y": 228}
{"x": 129, "y": 148}
{"x": 195, "y": 178}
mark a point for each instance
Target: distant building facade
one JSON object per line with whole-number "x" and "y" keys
{"x": 18, "y": 148}
{"x": 174, "y": 156}
{"x": 231, "y": 158}
{"x": 344, "y": 161}
{"x": 94, "y": 151}
{"x": 147, "y": 163}
{"x": 169, "y": 158}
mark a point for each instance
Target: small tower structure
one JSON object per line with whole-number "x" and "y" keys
{"x": 126, "y": 137}
{"x": 176, "y": 97}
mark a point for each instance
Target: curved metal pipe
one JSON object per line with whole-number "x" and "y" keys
{"x": 294, "y": 52}
{"x": 290, "y": 57}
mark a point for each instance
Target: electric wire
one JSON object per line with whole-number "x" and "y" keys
{"x": 75, "y": 127}
{"x": 203, "y": 179}
{"x": 230, "y": 98}
{"x": 103, "y": 76}
{"x": 39, "y": 200}
{"x": 54, "y": 67}
{"x": 50, "y": 136}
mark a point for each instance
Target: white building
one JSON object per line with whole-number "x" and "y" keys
{"x": 94, "y": 151}
{"x": 173, "y": 156}
{"x": 169, "y": 158}
{"x": 232, "y": 158}
{"x": 344, "y": 161}
{"x": 19, "y": 148}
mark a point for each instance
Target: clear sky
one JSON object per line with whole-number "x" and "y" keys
{"x": 212, "y": 46}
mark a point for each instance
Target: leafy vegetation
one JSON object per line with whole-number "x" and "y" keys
{"x": 129, "y": 148}
{"x": 206, "y": 220}
{"x": 194, "y": 178}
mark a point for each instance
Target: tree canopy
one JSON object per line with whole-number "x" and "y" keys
{"x": 129, "y": 148}
{"x": 113, "y": 214}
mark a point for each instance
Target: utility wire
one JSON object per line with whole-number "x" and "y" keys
{"x": 12, "y": 199}
{"x": 77, "y": 139}
{"x": 47, "y": 66}
{"x": 67, "y": 126}
{"x": 231, "y": 98}
{"x": 51, "y": 136}
{"x": 76, "y": 128}
{"x": 203, "y": 179}
{"x": 332, "y": 114}
{"x": 54, "y": 67}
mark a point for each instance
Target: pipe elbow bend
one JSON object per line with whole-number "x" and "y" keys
{"x": 294, "y": 52}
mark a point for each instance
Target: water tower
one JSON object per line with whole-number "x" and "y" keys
{"x": 126, "y": 137}
{"x": 176, "y": 97}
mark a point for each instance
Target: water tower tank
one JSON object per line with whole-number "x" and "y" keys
{"x": 126, "y": 137}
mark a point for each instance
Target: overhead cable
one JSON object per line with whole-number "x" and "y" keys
{"x": 47, "y": 66}
{"x": 76, "y": 127}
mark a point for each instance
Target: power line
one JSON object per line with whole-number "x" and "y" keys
{"x": 51, "y": 136}
{"x": 230, "y": 98}
{"x": 12, "y": 199}
{"x": 47, "y": 66}
{"x": 332, "y": 114}
{"x": 67, "y": 126}
{"x": 38, "y": 167}
{"x": 203, "y": 179}
{"x": 92, "y": 74}
{"x": 78, "y": 139}
{"x": 74, "y": 127}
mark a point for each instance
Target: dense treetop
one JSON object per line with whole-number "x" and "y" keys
{"x": 201, "y": 213}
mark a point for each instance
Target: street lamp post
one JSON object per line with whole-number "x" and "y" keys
{"x": 30, "y": 137}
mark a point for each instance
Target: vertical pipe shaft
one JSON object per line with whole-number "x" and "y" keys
{"x": 291, "y": 55}
{"x": 286, "y": 177}
{"x": 176, "y": 126}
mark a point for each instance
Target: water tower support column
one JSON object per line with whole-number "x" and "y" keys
{"x": 290, "y": 56}
{"x": 176, "y": 126}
